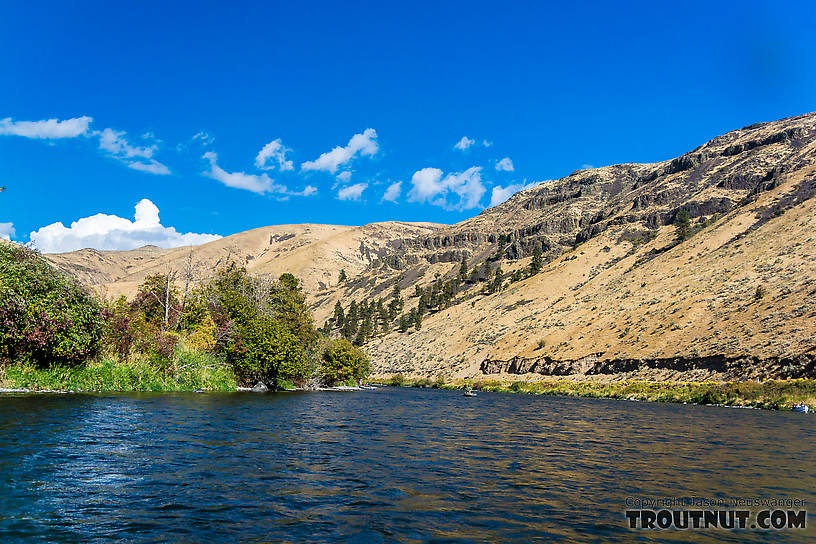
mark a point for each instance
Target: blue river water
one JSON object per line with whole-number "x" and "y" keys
{"x": 391, "y": 465}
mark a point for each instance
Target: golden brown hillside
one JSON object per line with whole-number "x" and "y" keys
{"x": 314, "y": 253}
{"x": 618, "y": 296}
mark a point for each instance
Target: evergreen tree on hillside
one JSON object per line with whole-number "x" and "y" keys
{"x": 682, "y": 225}
{"x": 343, "y": 276}
{"x": 537, "y": 263}
{"x": 396, "y": 304}
{"x": 498, "y": 280}
{"x": 463, "y": 269}
{"x": 339, "y": 315}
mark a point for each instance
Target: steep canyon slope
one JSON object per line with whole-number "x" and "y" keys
{"x": 618, "y": 295}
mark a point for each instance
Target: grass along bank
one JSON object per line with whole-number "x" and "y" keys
{"x": 188, "y": 370}
{"x": 769, "y": 394}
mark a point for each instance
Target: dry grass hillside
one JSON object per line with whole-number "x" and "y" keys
{"x": 314, "y": 253}
{"x": 618, "y": 296}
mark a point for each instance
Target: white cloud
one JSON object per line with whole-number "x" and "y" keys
{"x": 46, "y": 129}
{"x": 428, "y": 185}
{"x": 239, "y": 180}
{"x": 487, "y": 143}
{"x": 250, "y": 182}
{"x": 277, "y": 151}
{"x": 364, "y": 144}
{"x": 505, "y": 165}
{"x": 111, "y": 141}
{"x": 6, "y": 231}
{"x": 152, "y": 167}
{"x": 393, "y": 192}
{"x": 138, "y": 158}
{"x": 344, "y": 176}
{"x": 114, "y": 143}
{"x": 586, "y": 166}
{"x": 501, "y": 194}
{"x": 111, "y": 232}
{"x": 204, "y": 137}
{"x": 352, "y": 192}
{"x": 464, "y": 143}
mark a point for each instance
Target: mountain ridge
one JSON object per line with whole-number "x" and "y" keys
{"x": 608, "y": 240}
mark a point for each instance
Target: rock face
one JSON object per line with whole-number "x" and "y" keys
{"x": 260, "y": 387}
{"x": 616, "y": 294}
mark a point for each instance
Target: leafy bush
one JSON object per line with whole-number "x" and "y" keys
{"x": 342, "y": 362}
{"x": 265, "y": 350}
{"x": 46, "y": 318}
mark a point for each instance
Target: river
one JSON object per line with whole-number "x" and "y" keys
{"x": 391, "y": 465}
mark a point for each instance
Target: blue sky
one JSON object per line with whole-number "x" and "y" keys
{"x": 172, "y": 103}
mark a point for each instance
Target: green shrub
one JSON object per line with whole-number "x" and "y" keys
{"x": 343, "y": 362}
{"x": 264, "y": 350}
{"x": 46, "y": 318}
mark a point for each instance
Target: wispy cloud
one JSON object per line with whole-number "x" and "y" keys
{"x": 240, "y": 180}
{"x": 364, "y": 144}
{"x": 505, "y": 165}
{"x": 111, "y": 232}
{"x": 429, "y": 185}
{"x": 501, "y": 194}
{"x": 259, "y": 184}
{"x": 464, "y": 143}
{"x": 47, "y": 129}
{"x": 116, "y": 145}
{"x": 352, "y": 192}
{"x": 393, "y": 192}
{"x": 277, "y": 151}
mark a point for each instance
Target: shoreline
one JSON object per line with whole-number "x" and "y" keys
{"x": 777, "y": 395}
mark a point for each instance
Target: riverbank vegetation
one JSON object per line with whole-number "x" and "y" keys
{"x": 231, "y": 329}
{"x": 770, "y": 394}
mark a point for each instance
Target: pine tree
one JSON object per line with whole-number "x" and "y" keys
{"x": 343, "y": 276}
{"x": 498, "y": 280}
{"x": 339, "y": 316}
{"x": 463, "y": 269}
{"x": 682, "y": 224}
{"x": 537, "y": 263}
{"x": 396, "y": 304}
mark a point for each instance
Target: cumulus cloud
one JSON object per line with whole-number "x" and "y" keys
{"x": 464, "y": 143}
{"x": 364, "y": 144}
{"x": 49, "y": 129}
{"x": 393, "y": 192}
{"x": 111, "y": 232}
{"x": 429, "y": 185}
{"x": 487, "y": 143}
{"x": 501, "y": 194}
{"x": 6, "y": 230}
{"x": 277, "y": 151}
{"x": 344, "y": 176}
{"x": 352, "y": 192}
{"x": 505, "y": 165}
